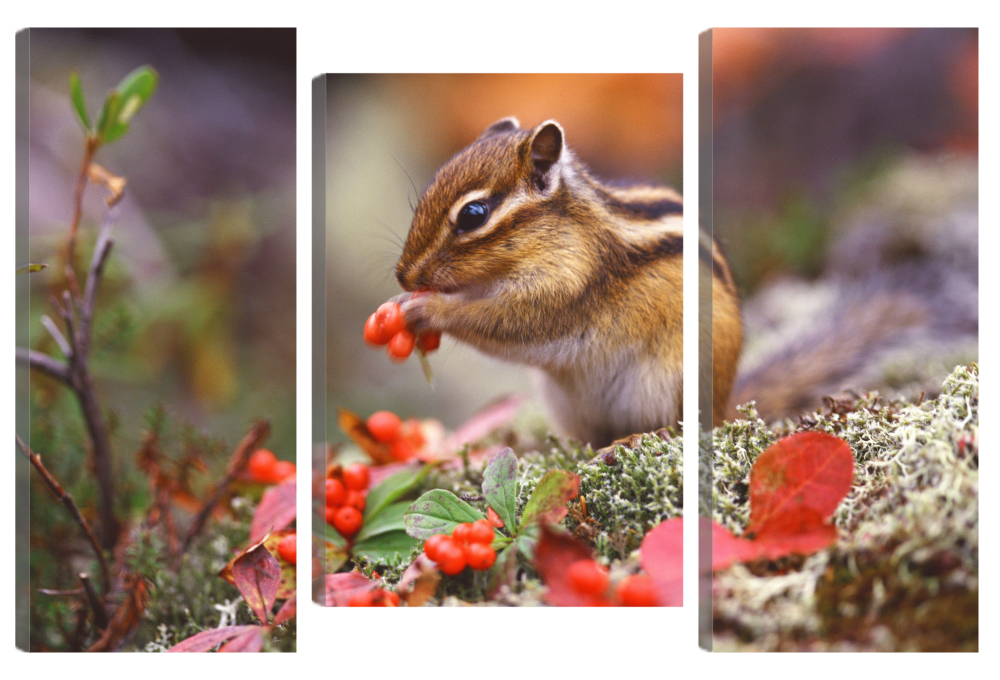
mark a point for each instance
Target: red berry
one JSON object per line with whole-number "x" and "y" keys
{"x": 356, "y": 476}
{"x": 261, "y": 465}
{"x": 365, "y": 598}
{"x": 286, "y": 548}
{"x": 638, "y": 591}
{"x": 413, "y": 433}
{"x": 336, "y": 494}
{"x": 402, "y": 450}
{"x": 432, "y": 546}
{"x": 384, "y": 426}
{"x": 355, "y": 499}
{"x": 385, "y": 598}
{"x": 347, "y": 520}
{"x": 375, "y": 334}
{"x": 389, "y": 317}
{"x": 331, "y": 512}
{"x": 588, "y": 577}
{"x": 494, "y": 518}
{"x": 480, "y": 556}
{"x": 401, "y": 345}
{"x": 430, "y": 341}
{"x": 452, "y": 558}
{"x": 282, "y": 470}
{"x": 481, "y": 532}
{"x": 460, "y": 534}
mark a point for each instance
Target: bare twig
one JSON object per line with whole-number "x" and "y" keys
{"x": 238, "y": 462}
{"x": 90, "y": 147}
{"x": 75, "y": 344}
{"x": 41, "y": 361}
{"x": 100, "y": 616}
{"x": 66, "y": 499}
{"x": 56, "y": 334}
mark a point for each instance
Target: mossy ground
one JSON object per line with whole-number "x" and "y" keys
{"x": 904, "y": 574}
{"x": 617, "y": 505}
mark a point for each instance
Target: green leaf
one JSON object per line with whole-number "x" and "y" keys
{"x": 109, "y": 110}
{"x": 132, "y": 93}
{"x": 30, "y": 268}
{"x": 383, "y": 547}
{"x": 527, "y": 540}
{"x": 500, "y": 487}
{"x": 548, "y": 500}
{"x": 438, "y": 512}
{"x": 336, "y": 557}
{"x": 76, "y": 94}
{"x": 392, "y": 488}
{"x": 390, "y": 519}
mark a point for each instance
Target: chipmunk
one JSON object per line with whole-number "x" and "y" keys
{"x": 528, "y": 258}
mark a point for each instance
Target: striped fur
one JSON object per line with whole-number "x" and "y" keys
{"x": 576, "y": 279}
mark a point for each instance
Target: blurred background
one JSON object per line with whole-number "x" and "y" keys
{"x": 387, "y": 135}
{"x": 197, "y": 311}
{"x": 842, "y": 157}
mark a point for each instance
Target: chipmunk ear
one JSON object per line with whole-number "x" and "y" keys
{"x": 509, "y": 124}
{"x": 546, "y": 150}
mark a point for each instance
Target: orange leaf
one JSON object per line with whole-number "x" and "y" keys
{"x": 812, "y": 470}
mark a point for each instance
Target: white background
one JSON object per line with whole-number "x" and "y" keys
{"x": 618, "y": 36}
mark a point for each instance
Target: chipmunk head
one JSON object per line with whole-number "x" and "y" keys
{"x": 485, "y": 210}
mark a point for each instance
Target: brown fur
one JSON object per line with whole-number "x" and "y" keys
{"x": 578, "y": 279}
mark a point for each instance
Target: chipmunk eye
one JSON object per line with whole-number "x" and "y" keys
{"x": 472, "y": 216}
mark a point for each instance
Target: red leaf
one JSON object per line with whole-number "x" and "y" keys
{"x": 248, "y": 641}
{"x": 257, "y": 575}
{"x": 286, "y": 612}
{"x": 553, "y": 555}
{"x": 802, "y": 531}
{"x": 662, "y": 557}
{"x": 727, "y": 549}
{"x": 340, "y": 588}
{"x": 812, "y": 470}
{"x": 206, "y": 640}
{"x": 275, "y": 512}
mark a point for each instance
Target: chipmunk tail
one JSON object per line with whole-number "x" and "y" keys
{"x": 844, "y": 345}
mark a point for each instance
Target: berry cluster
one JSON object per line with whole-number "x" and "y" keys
{"x": 587, "y": 577}
{"x": 286, "y": 548}
{"x": 376, "y": 597}
{"x": 265, "y": 467}
{"x": 345, "y": 499}
{"x": 403, "y": 438}
{"x": 469, "y": 544}
{"x": 388, "y": 327}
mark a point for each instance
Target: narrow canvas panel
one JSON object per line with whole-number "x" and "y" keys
{"x": 156, "y": 340}
{"x": 840, "y": 507}
{"x": 525, "y": 231}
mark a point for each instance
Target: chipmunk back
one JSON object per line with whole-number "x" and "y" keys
{"x": 529, "y": 258}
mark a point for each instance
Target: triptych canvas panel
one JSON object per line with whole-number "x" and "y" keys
{"x": 497, "y": 398}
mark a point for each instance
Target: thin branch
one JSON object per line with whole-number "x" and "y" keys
{"x": 56, "y": 334}
{"x": 90, "y": 147}
{"x": 101, "y": 252}
{"x": 40, "y": 361}
{"x": 238, "y": 462}
{"x": 66, "y": 499}
{"x": 100, "y": 616}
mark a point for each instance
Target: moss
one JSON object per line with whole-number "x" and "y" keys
{"x": 904, "y": 574}
{"x": 620, "y": 502}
